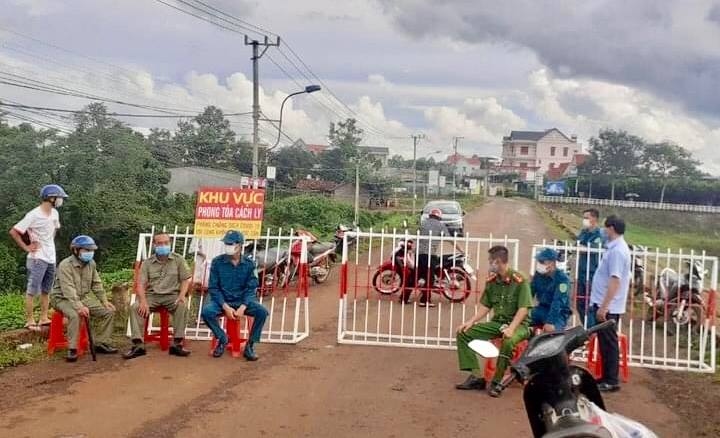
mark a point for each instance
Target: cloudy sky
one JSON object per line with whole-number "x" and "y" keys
{"x": 470, "y": 68}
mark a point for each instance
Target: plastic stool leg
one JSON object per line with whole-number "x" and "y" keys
{"x": 164, "y": 329}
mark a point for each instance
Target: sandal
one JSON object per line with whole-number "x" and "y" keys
{"x": 32, "y": 327}
{"x": 45, "y": 324}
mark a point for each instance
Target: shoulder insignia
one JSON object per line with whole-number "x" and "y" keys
{"x": 518, "y": 278}
{"x": 491, "y": 277}
{"x": 563, "y": 288}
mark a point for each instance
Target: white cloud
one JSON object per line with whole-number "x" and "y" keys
{"x": 39, "y": 7}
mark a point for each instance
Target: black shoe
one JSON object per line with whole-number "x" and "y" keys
{"x": 495, "y": 390}
{"x": 135, "y": 351}
{"x": 472, "y": 382}
{"x": 220, "y": 349}
{"x": 105, "y": 349}
{"x": 249, "y": 352}
{"x": 72, "y": 355}
{"x": 179, "y": 350}
{"x": 607, "y": 387}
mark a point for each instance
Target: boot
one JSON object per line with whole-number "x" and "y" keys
{"x": 472, "y": 382}
{"x": 249, "y": 352}
{"x": 72, "y": 355}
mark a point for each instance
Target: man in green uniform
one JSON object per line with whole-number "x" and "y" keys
{"x": 78, "y": 292}
{"x": 507, "y": 294}
{"x": 164, "y": 282}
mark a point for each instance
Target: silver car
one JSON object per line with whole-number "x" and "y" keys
{"x": 452, "y": 215}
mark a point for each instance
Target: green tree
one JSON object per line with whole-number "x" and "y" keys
{"x": 665, "y": 160}
{"x": 165, "y": 148}
{"x": 207, "y": 138}
{"x": 614, "y": 153}
{"x": 293, "y": 163}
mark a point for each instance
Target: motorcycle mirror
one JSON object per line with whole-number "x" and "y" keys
{"x": 484, "y": 348}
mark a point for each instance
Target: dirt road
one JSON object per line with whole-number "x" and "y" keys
{"x": 314, "y": 389}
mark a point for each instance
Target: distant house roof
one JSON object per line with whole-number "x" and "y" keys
{"x": 556, "y": 173}
{"x": 375, "y": 150}
{"x": 455, "y": 159}
{"x": 317, "y": 148}
{"x": 316, "y": 185}
{"x": 580, "y": 159}
{"x": 534, "y": 135}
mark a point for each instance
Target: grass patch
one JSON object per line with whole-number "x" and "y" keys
{"x": 12, "y": 311}
{"x": 11, "y": 356}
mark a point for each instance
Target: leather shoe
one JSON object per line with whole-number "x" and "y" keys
{"x": 105, "y": 349}
{"x": 179, "y": 350}
{"x": 495, "y": 390}
{"x": 472, "y": 382}
{"x": 220, "y": 349}
{"x": 135, "y": 351}
{"x": 249, "y": 352}
{"x": 72, "y": 355}
{"x": 606, "y": 387}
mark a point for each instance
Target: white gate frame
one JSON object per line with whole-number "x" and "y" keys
{"x": 294, "y": 323}
{"x": 352, "y": 331}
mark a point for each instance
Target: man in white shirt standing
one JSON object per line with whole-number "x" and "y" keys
{"x": 608, "y": 298}
{"x": 35, "y": 234}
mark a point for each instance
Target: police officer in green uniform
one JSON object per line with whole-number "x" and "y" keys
{"x": 164, "y": 282}
{"x": 507, "y": 294}
{"x": 551, "y": 288}
{"x": 78, "y": 292}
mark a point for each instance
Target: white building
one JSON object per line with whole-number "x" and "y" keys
{"x": 533, "y": 153}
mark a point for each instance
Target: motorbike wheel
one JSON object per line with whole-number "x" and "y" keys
{"x": 319, "y": 279}
{"x": 456, "y": 287}
{"x": 387, "y": 281}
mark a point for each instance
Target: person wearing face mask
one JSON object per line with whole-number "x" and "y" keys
{"x": 233, "y": 287}
{"x": 590, "y": 236}
{"x": 164, "y": 282}
{"x": 550, "y": 287}
{"x": 35, "y": 234}
{"x": 507, "y": 294}
{"x": 78, "y": 292}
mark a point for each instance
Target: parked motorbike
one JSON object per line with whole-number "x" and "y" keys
{"x": 320, "y": 255}
{"x": 451, "y": 278}
{"x": 678, "y": 297}
{"x": 271, "y": 265}
{"x": 340, "y": 235}
{"x": 563, "y": 400}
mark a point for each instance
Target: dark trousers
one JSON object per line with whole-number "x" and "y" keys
{"x": 212, "y": 310}
{"x": 426, "y": 273}
{"x": 609, "y": 349}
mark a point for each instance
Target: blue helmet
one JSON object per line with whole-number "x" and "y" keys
{"x": 232, "y": 237}
{"x": 83, "y": 242}
{"x": 52, "y": 191}
{"x": 547, "y": 255}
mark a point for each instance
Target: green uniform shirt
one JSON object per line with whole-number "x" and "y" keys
{"x": 164, "y": 278}
{"x": 505, "y": 295}
{"x": 75, "y": 280}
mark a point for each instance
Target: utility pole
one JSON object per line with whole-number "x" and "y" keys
{"x": 416, "y": 138}
{"x": 357, "y": 192}
{"x": 256, "y": 93}
{"x": 455, "y": 158}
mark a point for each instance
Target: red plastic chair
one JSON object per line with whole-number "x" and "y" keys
{"x": 236, "y": 342}
{"x": 594, "y": 358}
{"x": 164, "y": 336}
{"x": 490, "y": 363}
{"x": 57, "y": 339}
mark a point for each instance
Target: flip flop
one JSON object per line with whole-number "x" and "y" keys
{"x": 45, "y": 324}
{"x": 32, "y": 327}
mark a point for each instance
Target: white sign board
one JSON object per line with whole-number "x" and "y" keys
{"x": 473, "y": 184}
{"x": 433, "y": 178}
{"x": 442, "y": 181}
{"x": 271, "y": 172}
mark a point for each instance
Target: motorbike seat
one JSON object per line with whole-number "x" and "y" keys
{"x": 321, "y": 247}
{"x": 266, "y": 259}
{"x": 584, "y": 430}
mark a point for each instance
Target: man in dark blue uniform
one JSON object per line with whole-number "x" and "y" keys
{"x": 590, "y": 236}
{"x": 551, "y": 288}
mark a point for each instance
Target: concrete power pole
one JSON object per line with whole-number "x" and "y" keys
{"x": 256, "y": 93}
{"x": 416, "y": 138}
{"x": 455, "y": 158}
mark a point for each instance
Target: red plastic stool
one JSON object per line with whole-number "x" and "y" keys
{"x": 594, "y": 358}
{"x": 163, "y": 337}
{"x": 57, "y": 338}
{"x": 490, "y": 363}
{"x": 236, "y": 342}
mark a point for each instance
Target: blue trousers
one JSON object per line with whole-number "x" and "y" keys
{"x": 539, "y": 318}
{"x": 212, "y": 310}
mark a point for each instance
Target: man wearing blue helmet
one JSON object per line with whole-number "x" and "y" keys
{"x": 78, "y": 293}
{"x": 550, "y": 287}
{"x": 232, "y": 288}
{"x": 35, "y": 234}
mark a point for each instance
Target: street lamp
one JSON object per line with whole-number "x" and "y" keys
{"x": 309, "y": 89}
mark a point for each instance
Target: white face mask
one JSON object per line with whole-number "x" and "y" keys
{"x": 586, "y": 223}
{"x": 541, "y": 268}
{"x": 59, "y": 202}
{"x": 231, "y": 249}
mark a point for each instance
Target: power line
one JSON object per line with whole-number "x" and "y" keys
{"x": 114, "y": 114}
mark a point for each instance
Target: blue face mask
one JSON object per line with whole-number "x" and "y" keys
{"x": 162, "y": 250}
{"x": 86, "y": 257}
